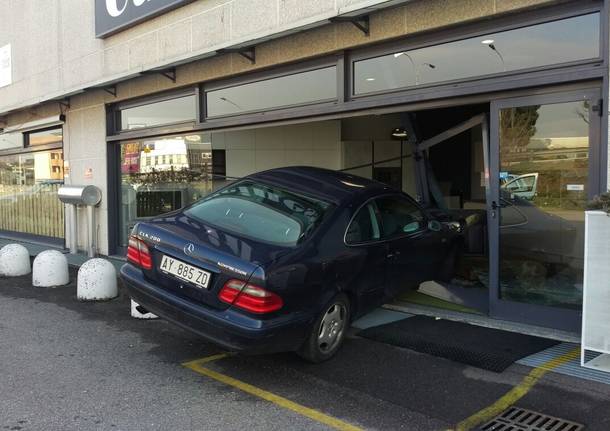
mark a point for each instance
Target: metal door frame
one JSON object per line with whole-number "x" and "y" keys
{"x": 563, "y": 319}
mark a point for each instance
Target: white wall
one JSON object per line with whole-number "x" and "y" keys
{"x": 357, "y": 136}
{"x": 311, "y": 144}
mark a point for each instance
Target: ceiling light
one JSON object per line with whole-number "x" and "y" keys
{"x": 398, "y": 54}
{"x": 487, "y": 41}
{"x": 399, "y": 133}
{"x": 370, "y": 79}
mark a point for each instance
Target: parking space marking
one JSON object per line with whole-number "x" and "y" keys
{"x": 198, "y": 367}
{"x": 516, "y": 393}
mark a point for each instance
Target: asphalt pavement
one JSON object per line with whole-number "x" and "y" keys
{"x": 69, "y": 365}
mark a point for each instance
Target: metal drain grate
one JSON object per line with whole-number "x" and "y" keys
{"x": 518, "y": 419}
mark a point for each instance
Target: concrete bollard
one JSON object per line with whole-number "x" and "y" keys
{"x": 50, "y": 269}
{"x": 14, "y": 260}
{"x": 96, "y": 281}
{"x": 136, "y": 314}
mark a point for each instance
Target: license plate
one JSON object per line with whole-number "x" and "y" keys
{"x": 184, "y": 271}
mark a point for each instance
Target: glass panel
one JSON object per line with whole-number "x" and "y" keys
{"x": 399, "y": 217}
{"x": 387, "y": 163}
{"x": 28, "y": 193}
{"x": 544, "y": 162}
{"x": 163, "y": 174}
{"x": 45, "y": 137}
{"x": 262, "y": 212}
{"x": 297, "y": 89}
{"x": 170, "y": 111}
{"x": 545, "y": 44}
{"x": 364, "y": 227}
{"x": 387, "y": 168}
{"x": 11, "y": 140}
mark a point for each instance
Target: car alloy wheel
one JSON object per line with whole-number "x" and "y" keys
{"x": 328, "y": 331}
{"x": 332, "y": 327}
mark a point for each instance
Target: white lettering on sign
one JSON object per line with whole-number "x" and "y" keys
{"x": 112, "y": 6}
{"x": 6, "y": 75}
{"x": 112, "y": 16}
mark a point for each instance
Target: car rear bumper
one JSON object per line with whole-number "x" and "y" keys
{"x": 230, "y": 329}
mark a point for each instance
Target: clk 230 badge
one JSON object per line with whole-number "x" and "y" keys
{"x": 152, "y": 238}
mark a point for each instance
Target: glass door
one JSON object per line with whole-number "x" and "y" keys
{"x": 544, "y": 166}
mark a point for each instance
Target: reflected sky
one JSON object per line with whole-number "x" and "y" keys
{"x": 550, "y": 43}
{"x": 300, "y": 88}
{"x": 159, "y": 113}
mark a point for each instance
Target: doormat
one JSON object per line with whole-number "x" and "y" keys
{"x": 487, "y": 348}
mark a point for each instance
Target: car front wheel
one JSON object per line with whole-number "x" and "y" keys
{"x": 328, "y": 332}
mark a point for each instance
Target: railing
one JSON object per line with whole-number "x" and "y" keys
{"x": 32, "y": 209}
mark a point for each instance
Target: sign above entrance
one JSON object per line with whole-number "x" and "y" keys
{"x": 112, "y": 16}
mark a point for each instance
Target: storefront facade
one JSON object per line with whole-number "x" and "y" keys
{"x": 500, "y": 107}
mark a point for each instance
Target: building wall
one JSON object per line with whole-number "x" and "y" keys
{"x": 311, "y": 144}
{"x": 55, "y": 51}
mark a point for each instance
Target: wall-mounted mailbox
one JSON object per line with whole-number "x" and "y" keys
{"x": 80, "y": 195}
{"x": 88, "y": 196}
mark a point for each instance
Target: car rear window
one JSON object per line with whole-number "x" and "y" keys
{"x": 262, "y": 212}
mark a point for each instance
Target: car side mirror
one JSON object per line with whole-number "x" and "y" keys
{"x": 411, "y": 227}
{"x": 435, "y": 226}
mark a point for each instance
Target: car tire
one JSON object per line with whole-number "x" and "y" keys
{"x": 328, "y": 332}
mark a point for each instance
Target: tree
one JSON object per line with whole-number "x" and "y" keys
{"x": 517, "y": 126}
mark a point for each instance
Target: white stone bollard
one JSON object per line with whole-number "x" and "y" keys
{"x": 14, "y": 260}
{"x": 96, "y": 281}
{"x": 135, "y": 313}
{"x": 50, "y": 269}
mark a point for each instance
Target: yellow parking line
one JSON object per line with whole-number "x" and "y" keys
{"x": 517, "y": 392}
{"x": 315, "y": 415}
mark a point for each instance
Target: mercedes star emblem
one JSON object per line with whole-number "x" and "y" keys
{"x": 189, "y": 248}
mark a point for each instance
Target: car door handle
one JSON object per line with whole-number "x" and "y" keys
{"x": 393, "y": 254}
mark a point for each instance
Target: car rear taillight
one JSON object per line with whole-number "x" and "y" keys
{"x": 250, "y": 297}
{"x": 138, "y": 253}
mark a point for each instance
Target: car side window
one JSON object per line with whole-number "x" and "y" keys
{"x": 364, "y": 227}
{"x": 399, "y": 216}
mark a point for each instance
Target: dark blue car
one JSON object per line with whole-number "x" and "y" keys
{"x": 283, "y": 260}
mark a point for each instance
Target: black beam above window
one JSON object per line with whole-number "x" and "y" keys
{"x": 249, "y": 53}
{"x": 361, "y": 22}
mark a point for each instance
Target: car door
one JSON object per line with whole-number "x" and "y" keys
{"x": 367, "y": 256}
{"x": 416, "y": 248}
{"x": 523, "y": 186}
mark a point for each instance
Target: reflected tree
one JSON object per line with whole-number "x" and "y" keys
{"x": 517, "y": 127}
{"x": 583, "y": 111}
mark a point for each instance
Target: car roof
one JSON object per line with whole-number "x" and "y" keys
{"x": 324, "y": 184}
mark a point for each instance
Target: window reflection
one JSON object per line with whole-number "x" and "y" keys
{"x": 159, "y": 175}
{"x": 28, "y": 193}
{"x": 297, "y": 89}
{"x": 45, "y": 137}
{"x": 544, "y": 164}
{"x": 551, "y": 43}
{"x": 170, "y": 111}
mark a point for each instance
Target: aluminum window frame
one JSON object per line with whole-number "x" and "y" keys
{"x": 458, "y": 32}
{"x": 52, "y": 146}
{"x": 27, "y": 148}
{"x": 480, "y": 89}
{"x": 336, "y": 61}
{"x": 115, "y": 110}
